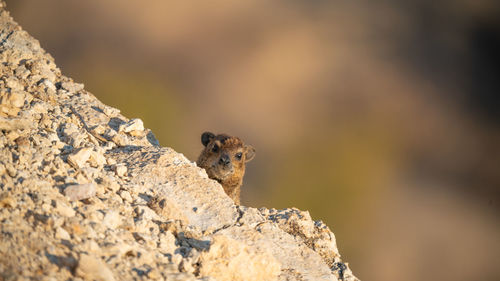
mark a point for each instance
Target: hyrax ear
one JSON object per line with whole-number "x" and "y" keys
{"x": 249, "y": 153}
{"x": 206, "y": 137}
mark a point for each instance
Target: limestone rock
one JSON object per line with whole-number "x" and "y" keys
{"x": 80, "y": 191}
{"x": 120, "y": 170}
{"x": 97, "y": 159}
{"x": 79, "y": 158}
{"x": 315, "y": 235}
{"x": 112, "y": 219}
{"x": 62, "y": 234}
{"x": 91, "y": 268}
{"x": 229, "y": 260}
{"x": 72, "y": 87}
{"x": 11, "y": 102}
{"x": 87, "y": 194}
{"x": 167, "y": 208}
{"x": 133, "y": 127}
{"x": 125, "y": 195}
{"x": 64, "y": 210}
{"x": 11, "y": 124}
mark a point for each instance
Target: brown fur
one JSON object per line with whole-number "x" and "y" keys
{"x": 220, "y": 159}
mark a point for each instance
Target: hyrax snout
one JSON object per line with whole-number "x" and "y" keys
{"x": 224, "y": 158}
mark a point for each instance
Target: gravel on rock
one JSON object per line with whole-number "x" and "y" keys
{"x": 87, "y": 194}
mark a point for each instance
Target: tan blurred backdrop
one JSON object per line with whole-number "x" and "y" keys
{"x": 379, "y": 117}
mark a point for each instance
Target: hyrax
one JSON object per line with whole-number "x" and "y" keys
{"x": 224, "y": 159}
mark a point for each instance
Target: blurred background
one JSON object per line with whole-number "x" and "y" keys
{"x": 379, "y": 117}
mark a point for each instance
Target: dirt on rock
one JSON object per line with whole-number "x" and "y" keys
{"x": 87, "y": 194}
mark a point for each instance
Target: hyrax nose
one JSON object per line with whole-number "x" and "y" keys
{"x": 225, "y": 160}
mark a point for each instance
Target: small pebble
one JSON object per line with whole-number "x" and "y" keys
{"x": 132, "y": 125}
{"x": 91, "y": 268}
{"x": 79, "y": 158}
{"x": 125, "y": 195}
{"x": 62, "y": 234}
{"x": 112, "y": 219}
{"x": 120, "y": 170}
{"x": 80, "y": 191}
{"x": 64, "y": 210}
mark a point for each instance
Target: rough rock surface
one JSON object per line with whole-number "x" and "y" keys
{"x": 87, "y": 194}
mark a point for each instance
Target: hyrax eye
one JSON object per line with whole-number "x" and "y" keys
{"x": 239, "y": 155}
{"x": 215, "y": 149}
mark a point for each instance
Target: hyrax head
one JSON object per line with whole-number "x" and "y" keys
{"x": 224, "y": 157}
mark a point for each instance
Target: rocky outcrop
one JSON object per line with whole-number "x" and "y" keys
{"x": 87, "y": 194}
